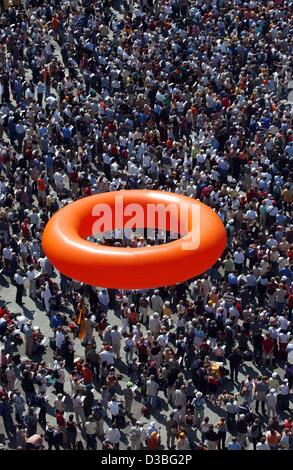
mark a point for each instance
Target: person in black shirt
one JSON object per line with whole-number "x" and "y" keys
{"x": 257, "y": 341}
{"x": 212, "y": 438}
{"x": 235, "y": 361}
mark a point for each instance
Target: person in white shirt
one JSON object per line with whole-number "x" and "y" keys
{"x": 42, "y": 380}
{"x": 154, "y": 324}
{"x": 113, "y": 435}
{"x": 59, "y": 181}
{"x": 19, "y": 281}
{"x": 113, "y": 406}
{"x": 31, "y": 275}
{"x": 107, "y": 356}
{"x": 59, "y": 338}
{"x": 91, "y": 428}
{"x": 238, "y": 260}
{"x": 23, "y": 251}
{"x": 163, "y": 339}
{"x": 46, "y": 296}
{"x": 251, "y": 214}
{"x": 283, "y": 322}
{"x": 116, "y": 337}
{"x": 21, "y": 320}
{"x": 284, "y": 395}
{"x": 271, "y": 401}
{"x": 60, "y": 376}
{"x": 78, "y": 408}
{"x": 59, "y": 402}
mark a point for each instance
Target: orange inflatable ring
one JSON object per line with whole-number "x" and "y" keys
{"x": 203, "y": 239}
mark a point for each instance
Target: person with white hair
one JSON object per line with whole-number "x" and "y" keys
{"x": 271, "y": 401}
{"x": 283, "y": 397}
{"x": 154, "y": 324}
{"x": 157, "y": 302}
{"x": 199, "y": 404}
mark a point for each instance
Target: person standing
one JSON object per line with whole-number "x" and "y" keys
{"x": 19, "y": 282}
{"x": 41, "y": 402}
{"x": 28, "y": 334}
{"x": 59, "y": 375}
{"x": 199, "y": 405}
{"x": 231, "y": 410}
{"x": 221, "y": 426}
{"x": 144, "y": 306}
{"x": 172, "y": 430}
{"x": 235, "y": 360}
{"x": 46, "y": 296}
{"x": 91, "y": 430}
{"x": 53, "y": 437}
{"x": 116, "y": 337}
{"x": 241, "y": 428}
{"x": 271, "y": 401}
{"x": 113, "y": 435}
{"x": 152, "y": 388}
{"x": 211, "y": 438}
{"x": 260, "y": 392}
{"x": 128, "y": 398}
{"x": 19, "y": 405}
{"x": 28, "y": 387}
{"x": 31, "y": 422}
{"x": 78, "y": 408}
{"x": 255, "y": 432}
{"x": 283, "y": 397}
{"x": 157, "y": 302}
{"x": 31, "y": 275}
{"x": 71, "y": 428}
{"x": 10, "y": 378}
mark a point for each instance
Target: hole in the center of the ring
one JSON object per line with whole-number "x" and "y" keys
{"x": 134, "y": 238}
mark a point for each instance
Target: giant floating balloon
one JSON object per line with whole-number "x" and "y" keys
{"x": 202, "y": 239}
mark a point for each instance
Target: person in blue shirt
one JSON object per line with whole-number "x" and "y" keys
{"x": 234, "y": 444}
{"x": 57, "y": 320}
{"x": 233, "y": 281}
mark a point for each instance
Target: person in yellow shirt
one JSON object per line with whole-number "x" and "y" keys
{"x": 287, "y": 197}
{"x": 167, "y": 309}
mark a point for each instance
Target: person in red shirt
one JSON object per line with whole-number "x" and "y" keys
{"x": 268, "y": 350}
{"x": 61, "y": 422}
{"x": 153, "y": 441}
{"x": 288, "y": 424}
{"x": 25, "y": 229}
{"x": 87, "y": 374}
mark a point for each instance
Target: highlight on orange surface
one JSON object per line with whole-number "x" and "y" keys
{"x": 202, "y": 239}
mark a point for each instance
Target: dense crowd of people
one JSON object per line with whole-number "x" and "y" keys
{"x": 185, "y": 96}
